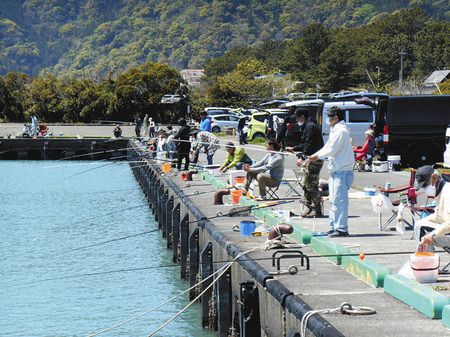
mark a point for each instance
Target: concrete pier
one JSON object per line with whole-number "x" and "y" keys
{"x": 255, "y": 302}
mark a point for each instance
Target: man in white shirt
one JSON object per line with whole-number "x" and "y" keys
{"x": 338, "y": 150}
{"x": 434, "y": 229}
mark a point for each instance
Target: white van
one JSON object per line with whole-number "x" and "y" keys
{"x": 358, "y": 117}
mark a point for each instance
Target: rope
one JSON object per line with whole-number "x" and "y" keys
{"x": 225, "y": 268}
{"x": 151, "y": 309}
{"x": 345, "y": 309}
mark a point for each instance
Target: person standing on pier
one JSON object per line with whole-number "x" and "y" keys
{"x": 338, "y": 149}
{"x": 311, "y": 141}
{"x": 34, "y": 126}
{"x": 183, "y": 145}
{"x": 145, "y": 126}
{"x": 137, "y": 126}
{"x": 151, "y": 128}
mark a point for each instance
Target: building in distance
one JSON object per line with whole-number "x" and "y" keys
{"x": 193, "y": 77}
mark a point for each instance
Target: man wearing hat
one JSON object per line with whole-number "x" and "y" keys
{"x": 311, "y": 141}
{"x": 236, "y": 157}
{"x": 432, "y": 230}
{"x": 338, "y": 150}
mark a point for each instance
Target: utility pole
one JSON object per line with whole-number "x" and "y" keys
{"x": 400, "y": 77}
{"x": 378, "y": 77}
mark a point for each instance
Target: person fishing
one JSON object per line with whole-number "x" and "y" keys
{"x": 117, "y": 131}
{"x": 338, "y": 150}
{"x": 236, "y": 157}
{"x": 433, "y": 230}
{"x": 183, "y": 145}
{"x": 310, "y": 142}
{"x": 207, "y": 141}
{"x": 273, "y": 163}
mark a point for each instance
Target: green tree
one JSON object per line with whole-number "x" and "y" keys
{"x": 45, "y": 99}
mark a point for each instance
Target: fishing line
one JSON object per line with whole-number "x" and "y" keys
{"x": 213, "y": 262}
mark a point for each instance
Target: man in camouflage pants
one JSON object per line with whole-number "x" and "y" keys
{"x": 310, "y": 143}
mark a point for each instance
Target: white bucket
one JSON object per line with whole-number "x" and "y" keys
{"x": 425, "y": 266}
{"x": 393, "y": 159}
{"x": 380, "y": 166}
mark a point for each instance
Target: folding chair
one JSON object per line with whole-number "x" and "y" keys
{"x": 407, "y": 197}
{"x": 271, "y": 191}
{"x": 295, "y": 185}
{"x": 444, "y": 270}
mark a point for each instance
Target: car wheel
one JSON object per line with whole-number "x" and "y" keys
{"x": 419, "y": 155}
{"x": 259, "y": 135}
{"x": 216, "y": 129}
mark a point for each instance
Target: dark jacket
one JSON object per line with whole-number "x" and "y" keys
{"x": 183, "y": 134}
{"x": 241, "y": 123}
{"x": 293, "y": 136}
{"x": 312, "y": 140}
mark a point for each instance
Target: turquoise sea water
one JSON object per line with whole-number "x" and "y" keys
{"x": 49, "y": 286}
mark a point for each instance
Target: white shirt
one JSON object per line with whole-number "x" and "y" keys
{"x": 338, "y": 149}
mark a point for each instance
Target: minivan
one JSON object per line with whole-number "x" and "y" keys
{"x": 358, "y": 117}
{"x": 414, "y": 127}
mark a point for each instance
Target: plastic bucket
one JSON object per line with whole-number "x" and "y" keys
{"x": 425, "y": 266}
{"x": 247, "y": 228}
{"x": 236, "y": 196}
{"x": 394, "y": 162}
{"x": 240, "y": 180}
{"x": 166, "y": 167}
{"x": 370, "y": 191}
{"x": 380, "y": 166}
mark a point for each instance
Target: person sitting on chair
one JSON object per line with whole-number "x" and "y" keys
{"x": 432, "y": 231}
{"x": 366, "y": 151}
{"x": 236, "y": 157}
{"x": 272, "y": 162}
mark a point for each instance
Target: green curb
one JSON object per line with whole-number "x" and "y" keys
{"x": 301, "y": 234}
{"x": 324, "y": 246}
{"x": 367, "y": 270}
{"x": 446, "y": 316}
{"x": 419, "y": 296}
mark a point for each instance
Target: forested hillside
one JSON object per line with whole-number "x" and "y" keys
{"x": 92, "y": 38}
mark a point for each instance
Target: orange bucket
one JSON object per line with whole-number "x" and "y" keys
{"x": 166, "y": 168}
{"x": 235, "y": 196}
{"x": 240, "y": 180}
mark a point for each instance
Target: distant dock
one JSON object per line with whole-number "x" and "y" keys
{"x": 92, "y": 148}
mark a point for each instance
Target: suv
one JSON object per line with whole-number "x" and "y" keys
{"x": 351, "y": 97}
{"x": 220, "y": 122}
{"x": 414, "y": 127}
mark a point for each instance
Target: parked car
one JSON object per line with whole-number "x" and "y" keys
{"x": 221, "y": 122}
{"x": 351, "y": 97}
{"x": 358, "y": 117}
{"x": 168, "y": 99}
{"x": 414, "y": 127}
{"x": 211, "y": 111}
{"x": 257, "y": 125}
{"x": 294, "y": 96}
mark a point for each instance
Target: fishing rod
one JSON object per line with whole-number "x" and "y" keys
{"x": 360, "y": 255}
